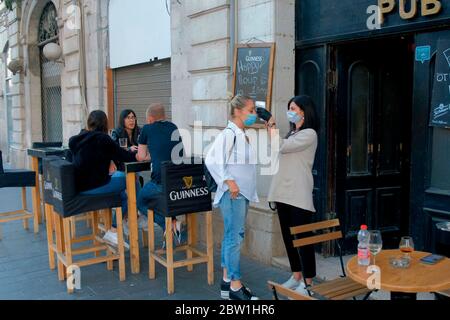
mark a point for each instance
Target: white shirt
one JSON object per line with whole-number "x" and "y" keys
{"x": 237, "y": 162}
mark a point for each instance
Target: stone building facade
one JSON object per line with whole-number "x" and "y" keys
{"x": 76, "y": 83}
{"x": 204, "y": 34}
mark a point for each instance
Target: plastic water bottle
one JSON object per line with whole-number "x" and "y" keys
{"x": 363, "y": 246}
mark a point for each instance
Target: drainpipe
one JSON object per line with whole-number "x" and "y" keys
{"x": 233, "y": 33}
{"x": 82, "y": 73}
{"x": 101, "y": 69}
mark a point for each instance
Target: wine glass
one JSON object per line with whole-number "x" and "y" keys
{"x": 406, "y": 246}
{"x": 375, "y": 243}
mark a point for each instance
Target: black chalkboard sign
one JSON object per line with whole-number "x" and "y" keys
{"x": 253, "y": 72}
{"x": 440, "y": 104}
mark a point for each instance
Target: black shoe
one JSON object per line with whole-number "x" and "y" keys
{"x": 242, "y": 294}
{"x": 225, "y": 290}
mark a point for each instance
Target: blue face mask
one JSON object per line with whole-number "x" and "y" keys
{"x": 251, "y": 120}
{"x": 294, "y": 117}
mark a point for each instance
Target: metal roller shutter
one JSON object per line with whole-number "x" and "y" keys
{"x": 136, "y": 87}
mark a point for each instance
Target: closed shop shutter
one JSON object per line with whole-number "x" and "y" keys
{"x": 137, "y": 87}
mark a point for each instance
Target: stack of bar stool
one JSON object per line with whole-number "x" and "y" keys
{"x": 67, "y": 203}
{"x": 188, "y": 181}
{"x": 47, "y": 193}
{"x": 47, "y": 198}
{"x": 17, "y": 179}
{"x": 41, "y": 145}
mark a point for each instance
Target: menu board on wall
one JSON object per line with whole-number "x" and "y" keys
{"x": 440, "y": 103}
{"x": 253, "y": 72}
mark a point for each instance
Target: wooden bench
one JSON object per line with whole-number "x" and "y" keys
{"x": 278, "y": 289}
{"x": 339, "y": 289}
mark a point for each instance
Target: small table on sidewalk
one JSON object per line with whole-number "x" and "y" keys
{"x": 131, "y": 169}
{"x": 404, "y": 283}
{"x": 36, "y": 154}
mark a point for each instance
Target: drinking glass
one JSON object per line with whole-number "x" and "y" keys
{"x": 123, "y": 142}
{"x": 375, "y": 243}
{"x": 406, "y": 246}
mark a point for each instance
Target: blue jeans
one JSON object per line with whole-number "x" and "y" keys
{"x": 118, "y": 183}
{"x": 234, "y": 214}
{"x": 149, "y": 192}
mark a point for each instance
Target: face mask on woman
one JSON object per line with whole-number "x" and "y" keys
{"x": 294, "y": 117}
{"x": 251, "y": 119}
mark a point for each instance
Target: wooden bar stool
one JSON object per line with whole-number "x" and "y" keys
{"x": 42, "y": 145}
{"x": 47, "y": 196}
{"x": 17, "y": 179}
{"x": 66, "y": 204}
{"x": 184, "y": 192}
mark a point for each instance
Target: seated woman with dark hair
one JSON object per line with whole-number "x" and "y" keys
{"x": 92, "y": 153}
{"x": 127, "y": 129}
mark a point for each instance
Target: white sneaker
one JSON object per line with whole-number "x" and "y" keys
{"x": 292, "y": 283}
{"x": 302, "y": 289}
{"x": 111, "y": 238}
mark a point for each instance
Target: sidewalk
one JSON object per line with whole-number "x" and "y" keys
{"x": 25, "y": 274}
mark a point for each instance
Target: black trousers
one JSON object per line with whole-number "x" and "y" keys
{"x": 301, "y": 259}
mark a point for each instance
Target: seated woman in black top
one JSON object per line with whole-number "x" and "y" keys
{"x": 127, "y": 129}
{"x": 92, "y": 152}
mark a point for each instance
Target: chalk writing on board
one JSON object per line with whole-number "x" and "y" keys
{"x": 253, "y": 72}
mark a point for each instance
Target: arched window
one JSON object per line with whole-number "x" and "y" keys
{"x": 50, "y": 78}
{"x": 48, "y": 26}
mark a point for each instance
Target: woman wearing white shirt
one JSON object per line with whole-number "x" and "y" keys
{"x": 231, "y": 162}
{"x": 292, "y": 187}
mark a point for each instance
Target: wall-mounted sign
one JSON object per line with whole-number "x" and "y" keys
{"x": 423, "y": 53}
{"x": 352, "y": 19}
{"x": 253, "y": 72}
{"x": 440, "y": 104}
{"x": 409, "y": 9}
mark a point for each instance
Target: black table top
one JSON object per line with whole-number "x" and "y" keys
{"x": 134, "y": 167}
{"x": 45, "y": 152}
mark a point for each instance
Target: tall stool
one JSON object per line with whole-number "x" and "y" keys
{"x": 184, "y": 192}
{"x": 68, "y": 203}
{"x": 47, "y": 196}
{"x": 42, "y": 145}
{"x": 17, "y": 179}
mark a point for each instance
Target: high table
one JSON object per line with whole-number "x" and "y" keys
{"x": 131, "y": 169}
{"x": 36, "y": 154}
{"x": 404, "y": 283}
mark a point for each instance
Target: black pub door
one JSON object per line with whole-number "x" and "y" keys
{"x": 373, "y": 128}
